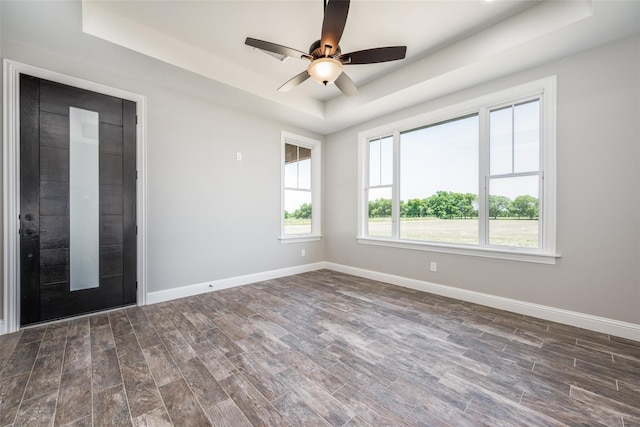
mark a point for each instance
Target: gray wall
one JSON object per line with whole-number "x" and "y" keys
{"x": 1, "y": 170}
{"x": 201, "y": 201}
{"x": 209, "y": 216}
{"x": 598, "y": 187}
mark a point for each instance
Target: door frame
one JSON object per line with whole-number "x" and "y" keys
{"x": 11, "y": 181}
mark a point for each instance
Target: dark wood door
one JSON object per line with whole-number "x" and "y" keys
{"x": 49, "y": 197}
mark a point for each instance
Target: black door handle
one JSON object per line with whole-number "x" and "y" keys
{"x": 30, "y": 231}
{"x": 29, "y": 217}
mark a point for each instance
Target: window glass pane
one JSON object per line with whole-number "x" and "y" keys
{"x": 304, "y": 153}
{"x": 290, "y": 166}
{"x": 297, "y": 167}
{"x": 380, "y": 212}
{"x": 290, "y": 153}
{"x": 386, "y": 161}
{"x": 526, "y": 145}
{"x": 297, "y": 212}
{"x": 460, "y": 229}
{"x": 514, "y": 212}
{"x": 304, "y": 173}
{"x": 374, "y": 162}
{"x": 291, "y": 175}
{"x": 439, "y": 182}
{"x": 500, "y": 141}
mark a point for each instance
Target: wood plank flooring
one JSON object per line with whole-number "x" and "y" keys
{"x": 316, "y": 349}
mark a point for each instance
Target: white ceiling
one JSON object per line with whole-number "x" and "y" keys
{"x": 451, "y": 45}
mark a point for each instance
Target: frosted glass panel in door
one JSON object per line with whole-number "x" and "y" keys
{"x": 84, "y": 203}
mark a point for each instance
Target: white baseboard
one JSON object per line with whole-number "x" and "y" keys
{"x": 216, "y": 285}
{"x": 573, "y": 318}
{"x": 2, "y": 328}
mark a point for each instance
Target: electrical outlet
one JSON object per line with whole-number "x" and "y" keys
{"x": 303, "y": 252}
{"x": 239, "y": 156}
{"x": 434, "y": 266}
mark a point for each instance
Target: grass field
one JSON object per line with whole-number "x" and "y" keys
{"x": 502, "y": 232}
{"x": 297, "y": 226}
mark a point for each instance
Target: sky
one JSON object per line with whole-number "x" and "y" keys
{"x": 445, "y": 157}
{"x": 297, "y": 182}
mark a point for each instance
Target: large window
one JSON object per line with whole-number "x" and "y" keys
{"x": 300, "y": 188}
{"x": 476, "y": 179}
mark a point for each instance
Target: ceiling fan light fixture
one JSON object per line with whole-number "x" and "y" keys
{"x": 325, "y": 70}
{"x": 325, "y": 54}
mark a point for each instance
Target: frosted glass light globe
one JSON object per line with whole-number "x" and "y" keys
{"x": 325, "y": 70}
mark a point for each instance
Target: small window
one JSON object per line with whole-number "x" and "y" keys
{"x": 300, "y": 188}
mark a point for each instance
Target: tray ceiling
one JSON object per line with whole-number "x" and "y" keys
{"x": 451, "y": 45}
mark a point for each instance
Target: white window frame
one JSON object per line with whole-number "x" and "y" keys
{"x": 545, "y": 89}
{"x": 316, "y": 178}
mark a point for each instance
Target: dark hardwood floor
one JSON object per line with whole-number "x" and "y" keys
{"x": 317, "y": 349}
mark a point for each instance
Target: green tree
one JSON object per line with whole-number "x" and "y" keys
{"x": 524, "y": 206}
{"x": 415, "y": 208}
{"x": 446, "y": 204}
{"x": 443, "y": 205}
{"x": 303, "y": 212}
{"x": 498, "y": 206}
{"x": 467, "y": 205}
{"x": 380, "y": 208}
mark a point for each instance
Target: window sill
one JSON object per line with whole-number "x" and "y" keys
{"x": 506, "y": 254}
{"x": 300, "y": 238}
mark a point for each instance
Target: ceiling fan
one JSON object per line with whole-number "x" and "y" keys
{"x": 325, "y": 54}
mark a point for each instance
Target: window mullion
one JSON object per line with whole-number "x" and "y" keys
{"x": 366, "y": 168}
{"x": 380, "y": 161}
{"x": 298, "y": 166}
{"x": 513, "y": 140}
{"x": 514, "y": 175}
{"x": 483, "y": 191}
{"x": 395, "y": 188}
{"x": 541, "y": 216}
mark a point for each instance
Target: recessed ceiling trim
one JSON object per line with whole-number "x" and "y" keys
{"x": 100, "y": 22}
{"x": 427, "y": 74}
{"x": 521, "y": 41}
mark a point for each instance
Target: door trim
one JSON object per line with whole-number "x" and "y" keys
{"x": 11, "y": 180}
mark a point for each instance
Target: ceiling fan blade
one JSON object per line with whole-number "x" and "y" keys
{"x": 276, "y": 48}
{"x": 346, "y": 85}
{"x": 371, "y": 56}
{"x": 335, "y": 18}
{"x": 294, "y": 82}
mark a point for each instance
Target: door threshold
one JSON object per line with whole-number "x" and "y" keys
{"x": 79, "y": 316}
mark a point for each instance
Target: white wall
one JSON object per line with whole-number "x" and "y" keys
{"x": 598, "y": 188}
{"x": 210, "y": 217}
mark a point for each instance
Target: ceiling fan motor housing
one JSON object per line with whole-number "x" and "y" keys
{"x": 317, "y": 51}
